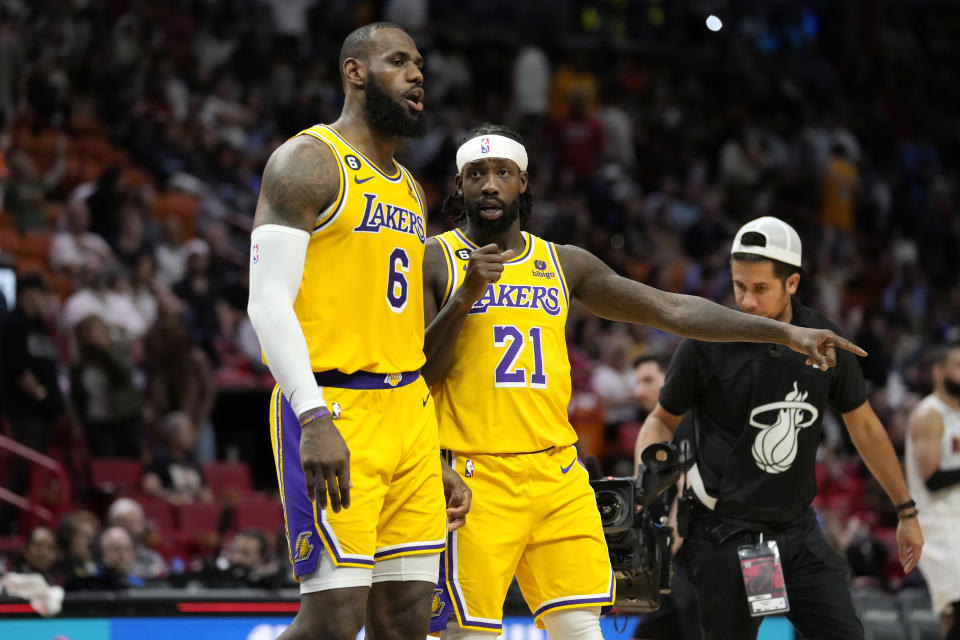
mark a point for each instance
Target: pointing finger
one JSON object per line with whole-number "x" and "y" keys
{"x": 846, "y": 345}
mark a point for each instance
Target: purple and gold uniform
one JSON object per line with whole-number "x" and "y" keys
{"x": 360, "y": 305}
{"x": 502, "y": 408}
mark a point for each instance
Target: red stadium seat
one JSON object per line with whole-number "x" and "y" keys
{"x": 262, "y": 514}
{"x": 198, "y": 517}
{"x": 159, "y": 514}
{"x": 111, "y": 475}
{"x": 227, "y": 477}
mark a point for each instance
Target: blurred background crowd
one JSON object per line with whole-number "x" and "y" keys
{"x": 132, "y": 139}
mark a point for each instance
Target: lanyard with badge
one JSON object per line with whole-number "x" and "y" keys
{"x": 763, "y": 578}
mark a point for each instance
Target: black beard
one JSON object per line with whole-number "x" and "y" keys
{"x": 386, "y": 115}
{"x": 952, "y": 387}
{"x": 511, "y": 212}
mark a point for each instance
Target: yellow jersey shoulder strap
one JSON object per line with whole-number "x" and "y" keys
{"x": 448, "y": 244}
{"x": 327, "y": 216}
{"x": 555, "y": 261}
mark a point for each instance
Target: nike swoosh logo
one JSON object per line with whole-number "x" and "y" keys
{"x": 425, "y": 400}
{"x": 359, "y": 181}
{"x": 568, "y": 467}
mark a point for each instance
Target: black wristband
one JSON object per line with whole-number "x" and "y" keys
{"x": 906, "y": 505}
{"x": 905, "y": 516}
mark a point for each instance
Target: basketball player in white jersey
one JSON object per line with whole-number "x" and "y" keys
{"x": 933, "y": 473}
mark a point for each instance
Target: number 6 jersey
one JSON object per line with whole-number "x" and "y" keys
{"x": 508, "y": 388}
{"x": 360, "y": 302}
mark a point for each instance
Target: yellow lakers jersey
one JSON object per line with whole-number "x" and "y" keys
{"x": 360, "y": 302}
{"x": 508, "y": 388}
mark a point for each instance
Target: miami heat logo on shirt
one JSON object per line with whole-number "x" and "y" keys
{"x": 775, "y": 447}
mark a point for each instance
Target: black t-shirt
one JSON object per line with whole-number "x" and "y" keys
{"x": 29, "y": 346}
{"x": 757, "y": 411}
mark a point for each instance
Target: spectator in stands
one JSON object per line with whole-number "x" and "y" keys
{"x": 127, "y": 513}
{"x": 246, "y": 561}
{"x": 174, "y": 474}
{"x": 180, "y": 379}
{"x": 200, "y": 289}
{"x": 117, "y": 560}
{"x": 39, "y": 554}
{"x": 103, "y": 393}
{"x": 32, "y": 399}
{"x": 26, "y": 194}
{"x": 840, "y": 187}
{"x": 649, "y": 371}
{"x": 143, "y": 287}
{"x": 171, "y": 256}
{"x": 75, "y": 539}
{"x": 613, "y": 379}
{"x": 105, "y": 293}
{"x": 76, "y": 249}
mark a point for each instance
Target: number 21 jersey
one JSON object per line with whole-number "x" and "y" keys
{"x": 360, "y": 302}
{"x": 509, "y": 385}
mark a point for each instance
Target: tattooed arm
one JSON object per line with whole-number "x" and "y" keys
{"x": 610, "y": 296}
{"x": 300, "y": 180}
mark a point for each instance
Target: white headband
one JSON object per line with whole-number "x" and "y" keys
{"x": 491, "y": 147}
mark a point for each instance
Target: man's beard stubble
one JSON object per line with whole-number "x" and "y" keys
{"x": 952, "y": 387}
{"x": 511, "y": 212}
{"x": 387, "y": 115}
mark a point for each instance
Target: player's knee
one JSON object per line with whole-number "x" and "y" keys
{"x": 400, "y": 610}
{"x": 317, "y": 621}
{"x": 573, "y": 624}
{"x": 317, "y": 628}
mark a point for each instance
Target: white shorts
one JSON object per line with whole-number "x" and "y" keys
{"x": 425, "y": 568}
{"x": 940, "y": 562}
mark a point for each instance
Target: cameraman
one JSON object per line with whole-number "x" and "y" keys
{"x": 756, "y": 413}
{"x": 676, "y": 619}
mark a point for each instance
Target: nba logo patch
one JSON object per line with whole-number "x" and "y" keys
{"x": 468, "y": 469}
{"x": 303, "y": 548}
{"x": 540, "y": 264}
{"x": 255, "y": 253}
{"x": 393, "y": 379}
{"x": 484, "y": 145}
{"x": 334, "y": 410}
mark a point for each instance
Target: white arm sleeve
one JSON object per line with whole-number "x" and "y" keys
{"x": 277, "y": 254}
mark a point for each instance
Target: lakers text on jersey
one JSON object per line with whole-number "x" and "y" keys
{"x": 513, "y": 344}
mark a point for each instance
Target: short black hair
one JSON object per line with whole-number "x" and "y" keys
{"x": 781, "y": 269}
{"x": 662, "y": 360}
{"x": 453, "y": 203}
{"x": 261, "y": 540}
{"x": 357, "y": 43}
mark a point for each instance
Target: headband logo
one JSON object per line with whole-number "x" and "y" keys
{"x": 484, "y": 145}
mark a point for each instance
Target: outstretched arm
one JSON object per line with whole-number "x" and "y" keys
{"x": 871, "y": 440}
{"x": 300, "y": 180}
{"x": 614, "y": 297}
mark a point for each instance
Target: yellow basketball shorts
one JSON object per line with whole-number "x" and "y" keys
{"x": 397, "y": 506}
{"x": 533, "y": 515}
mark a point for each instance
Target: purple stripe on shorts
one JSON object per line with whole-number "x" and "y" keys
{"x": 305, "y": 546}
{"x": 455, "y": 594}
{"x": 566, "y": 602}
{"x": 364, "y": 379}
{"x": 434, "y": 546}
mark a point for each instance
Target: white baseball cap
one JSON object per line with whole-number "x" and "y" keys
{"x": 780, "y": 240}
